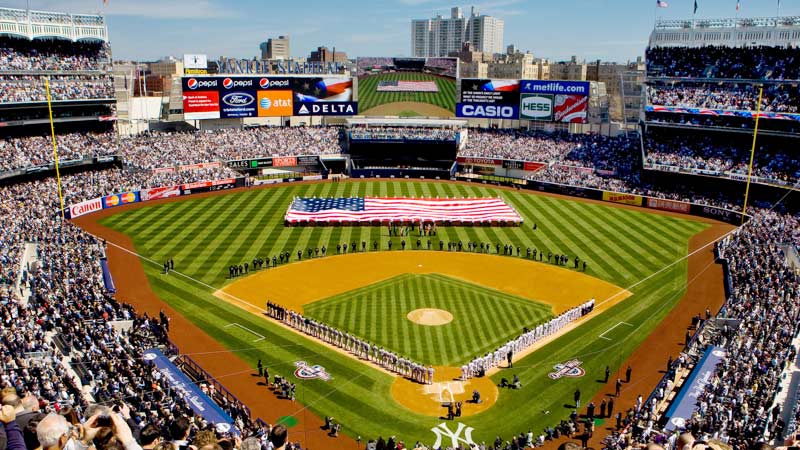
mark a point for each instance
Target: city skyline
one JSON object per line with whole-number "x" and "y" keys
{"x": 147, "y": 30}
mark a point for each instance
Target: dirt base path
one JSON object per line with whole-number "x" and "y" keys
{"x": 133, "y": 287}
{"x": 648, "y": 362}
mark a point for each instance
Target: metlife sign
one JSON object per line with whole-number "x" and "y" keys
{"x": 325, "y": 108}
{"x": 536, "y": 107}
{"x": 554, "y": 87}
{"x": 487, "y": 111}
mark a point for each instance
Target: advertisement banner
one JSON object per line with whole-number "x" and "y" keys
{"x": 163, "y": 170}
{"x": 86, "y": 207}
{"x": 668, "y": 205}
{"x": 571, "y": 109}
{"x": 685, "y": 403}
{"x": 487, "y": 111}
{"x": 110, "y": 201}
{"x": 195, "y": 61}
{"x": 159, "y": 193}
{"x": 238, "y": 104}
{"x": 284, "y": 161}
{"x": 491, "y": 92}
{"x": 200, "y": 166}
{"x": 307, "y": 160}
{"x": 198, "y": 401}
{"x": 323, "y": 108}
{"x": 201, "y": 105}
{"x": 477, "y": 161}
{"x": 511, "y": 164}
{"x": 206, "y": 184}
{"x": 533, "y": 166}
{"x": 536, "y": 107}
{"x": 322, "y": 89}
{"x": 275, "y": 103}
{"x": 627, "y": 199}
{"x": 555, "y": 87}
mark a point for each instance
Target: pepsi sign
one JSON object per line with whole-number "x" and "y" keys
{"x": 200, "y": 83}
{"x": 487, "y": 111}
{"x": 231, "y": 83}
{"x": 274, "y": 83}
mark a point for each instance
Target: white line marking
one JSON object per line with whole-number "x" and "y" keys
{"x": 260, "y": 337}
{"x": 615, "y": 326}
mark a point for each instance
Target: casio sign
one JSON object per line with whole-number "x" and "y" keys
{"x": 537, "y": 106}
{"x": 506, "y": 112}
{"x": 238, "y": 99}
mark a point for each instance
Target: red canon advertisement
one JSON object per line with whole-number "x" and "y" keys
{"x": 284, "y": 161}
{"x": 201, "y": 105}
{"x": 533, "y": 166}
{"x": 571, "y": 108}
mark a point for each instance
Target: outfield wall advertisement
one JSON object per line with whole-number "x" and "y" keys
{"x": 241, "y": 97}
{"x": 536, "y": 100}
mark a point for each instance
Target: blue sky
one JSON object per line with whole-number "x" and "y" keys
{"x": 614, "y": 30}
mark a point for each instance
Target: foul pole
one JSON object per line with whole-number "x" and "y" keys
{"x": 55, "y": 147}
{"x": 752, "y": 153}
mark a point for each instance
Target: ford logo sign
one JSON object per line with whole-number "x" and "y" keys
{"x": 238, "y": 99}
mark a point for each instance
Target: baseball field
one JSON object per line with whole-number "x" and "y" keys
{"x": 439, "y": 308}
{"x": 406, "y": 104}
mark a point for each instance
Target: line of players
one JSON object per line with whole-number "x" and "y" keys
{"x": 478, "y": 366}
{"x": 359, "y": 347}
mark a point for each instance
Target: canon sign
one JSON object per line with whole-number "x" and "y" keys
{"x": 83, "y": 208}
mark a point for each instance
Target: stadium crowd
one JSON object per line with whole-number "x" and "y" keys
{"x": 735, "y": 97}
{"x": 23, "y": 55}
{"x": 402, "y": 133}
{"x": 736, "y": 405}
{"x": 748, "y": 63}
{"x": 29, "y": 89}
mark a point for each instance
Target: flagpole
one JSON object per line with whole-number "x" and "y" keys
{"x": 752, "y": 153}
{"x": 55, "y": 148}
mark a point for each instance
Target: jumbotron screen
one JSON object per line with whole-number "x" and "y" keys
{"x": 407, "y": 87}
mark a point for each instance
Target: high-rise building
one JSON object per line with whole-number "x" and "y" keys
{"x": 441, "y": 36}
{"x": 275, "y": 48}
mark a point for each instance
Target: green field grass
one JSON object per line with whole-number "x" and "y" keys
{"x": 206, "y": 235}
{"x": 483, "y": 319}
{"x": 369, "y": 97}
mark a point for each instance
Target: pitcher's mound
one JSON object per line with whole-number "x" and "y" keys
{"x": 430, "y": 316}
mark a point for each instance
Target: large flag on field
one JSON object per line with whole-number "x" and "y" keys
{"x": 400, "y": 209}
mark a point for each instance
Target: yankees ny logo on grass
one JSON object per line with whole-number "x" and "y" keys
{"x": 570, "y": 369}
{"x": 307, "y": 372}
{"x": 443, "y": 431}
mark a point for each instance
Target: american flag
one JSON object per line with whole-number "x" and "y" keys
{"x": 407, "y": 86}
{"x": 400, "y": 209}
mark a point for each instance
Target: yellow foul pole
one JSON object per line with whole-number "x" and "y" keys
{"x": 752, "y": 153}
{"x": 55, "y": 147}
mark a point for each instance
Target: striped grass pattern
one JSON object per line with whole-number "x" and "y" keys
{"x": 483, "y": 318}
{"x": 622, "y": 246}
{"x": 369, "y": 97}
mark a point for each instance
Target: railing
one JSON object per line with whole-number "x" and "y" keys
{"x": 200, "y": 374}
{"x": 33, "y": 24}
{"x": 684, "y": 24}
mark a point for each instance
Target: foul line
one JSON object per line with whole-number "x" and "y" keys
{"x": 602, "y": 336}
{"x": 234, "y": 324}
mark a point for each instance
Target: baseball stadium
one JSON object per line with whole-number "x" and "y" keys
{"x": 411, "y": 255}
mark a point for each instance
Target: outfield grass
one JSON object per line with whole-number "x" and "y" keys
{"x": 483, "y": 319}
{"x": 369, "y": 97}
{"x": 206, "y": 235}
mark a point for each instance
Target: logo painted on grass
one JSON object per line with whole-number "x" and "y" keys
{"x": 442, "y": 431}
{"x": 306, "y": 372}
{"x": 570, "y": 369}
